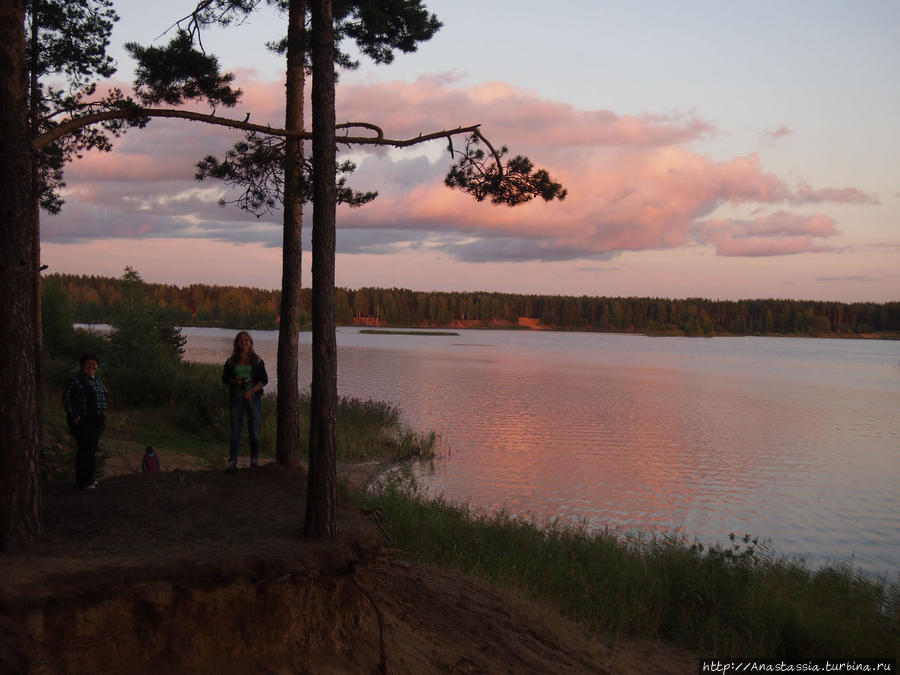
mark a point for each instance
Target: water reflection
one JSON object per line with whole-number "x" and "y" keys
{"x": 793, "y": 440}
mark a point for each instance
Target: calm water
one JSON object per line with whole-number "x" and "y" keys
{"x": 796, "y": 441}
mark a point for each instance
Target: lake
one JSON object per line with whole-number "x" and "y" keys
{"x": 795, "y": 441}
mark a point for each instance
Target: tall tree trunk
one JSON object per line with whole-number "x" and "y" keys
{"x": 287, "y": 437}
{"x": 19, "y": 441}
{"x": 320, "y": 500}
{"x": 34, "y": 104}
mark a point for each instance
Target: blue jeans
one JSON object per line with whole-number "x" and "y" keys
{"x": 238, "y": 407}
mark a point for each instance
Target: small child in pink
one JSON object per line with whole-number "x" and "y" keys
{"x": 150, "y": 463}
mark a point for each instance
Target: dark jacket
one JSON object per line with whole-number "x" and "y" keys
{"x": 258, "y": 375}
{"x": 85, "y": 396}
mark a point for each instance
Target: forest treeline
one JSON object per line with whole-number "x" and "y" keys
{"x": 94, "y": 299}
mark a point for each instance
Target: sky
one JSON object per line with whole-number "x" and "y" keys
{"x": 748, "y": 149}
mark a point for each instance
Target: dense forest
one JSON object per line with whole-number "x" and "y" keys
{"x": 93, "y": 299}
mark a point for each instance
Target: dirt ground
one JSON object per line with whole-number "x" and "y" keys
{"x": 199, "y": 571}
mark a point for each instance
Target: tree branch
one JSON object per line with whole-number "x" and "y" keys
{"x": 516, "y": 182}
{"x": 76, "y": 123}
{"x": 497, "y": 155}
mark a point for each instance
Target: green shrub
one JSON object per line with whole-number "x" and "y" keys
{"x": 57, "y": 317}
{"x": 198, "y": 398}
{"x": 144, "y": 348}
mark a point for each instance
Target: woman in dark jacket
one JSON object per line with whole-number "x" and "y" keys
{"x": 86, "y": 401}
{"x": 245, "y": 374}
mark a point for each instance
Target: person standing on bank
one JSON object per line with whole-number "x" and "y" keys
{"x": 85, "y": 400}
{"x": 245, "y": 375}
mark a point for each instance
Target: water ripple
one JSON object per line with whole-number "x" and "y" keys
{"x": 795, "y": 441}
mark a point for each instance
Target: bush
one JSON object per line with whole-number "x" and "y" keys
{"x": 144, "y": 349}
{"x": 198, "y": 399}
{"x": 57, "y": 317}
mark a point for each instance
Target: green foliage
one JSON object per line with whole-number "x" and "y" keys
{"x": 373, "y": 429}
{"x": 549, "y": 319}
{"x": 380, "y": 28}
{"x": 144, "y": 349}
{"x": 88, "y": 342}
{"x": 199, "y": 399}
{"x": 483, "y": 176}
{"x": 410, "y": 443}
{"x": 57, "y": 317}
{"x": 377, "y": 28}
{"x": 727, "y": 601}
{"x": 66, "y": 42}
{"x": 72, "y": 38}
{"x": 179, "y": 72}
{"x": 95, "y": 299}
{"x": 256, "y": 166}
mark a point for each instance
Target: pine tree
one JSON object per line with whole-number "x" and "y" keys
{"x": 67, "y": 41}
{"x": 20, "y": 442}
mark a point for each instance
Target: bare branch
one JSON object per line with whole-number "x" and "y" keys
{"x": 364, "y": 125}
{"x": 137, "y": 113}
{"x": 195, "y": 21}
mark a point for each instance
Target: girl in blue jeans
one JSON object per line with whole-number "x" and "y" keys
{"x": 245, "y": 374}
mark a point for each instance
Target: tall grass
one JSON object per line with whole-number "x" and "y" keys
{"x": 729, "y": 600}
{"x": 373, "y": 429}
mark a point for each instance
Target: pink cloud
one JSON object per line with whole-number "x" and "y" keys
{"x": 97, "y": 166}
{"x": 618, "y": 200}
{"x": 779, "y": 133}
{"x": 780, "y": 233}
{"x": 634, "y": 181}
{"x": 806, "y": 194}
{"x": 768, "y": 246}
{"x": 514, "y": 116}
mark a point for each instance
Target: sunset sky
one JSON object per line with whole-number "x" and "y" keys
{"x": 724, "y": 150}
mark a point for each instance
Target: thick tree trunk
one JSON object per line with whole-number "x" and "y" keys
{"x": 287, "y": 438}
{"x": 320, "y": 502}
{"x": 20, "y": 438}
{"x": 34, "y": 127}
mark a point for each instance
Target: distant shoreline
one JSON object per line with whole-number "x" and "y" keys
{"x": 427, "y": 331}
{"x": 96, "y": 299}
